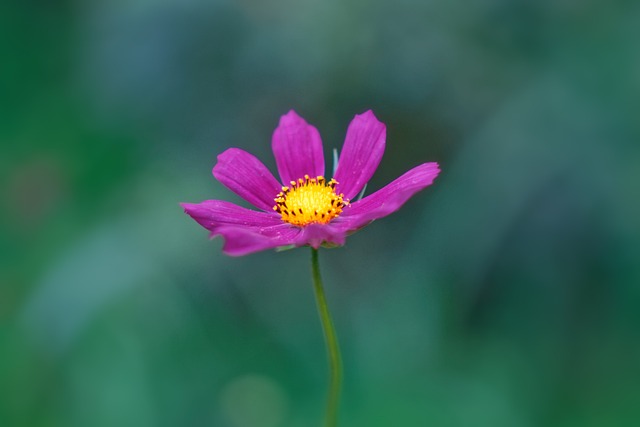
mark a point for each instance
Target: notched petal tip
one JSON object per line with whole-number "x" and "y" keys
{"x": 432, "y": 169}
{"x": 226, "y": 156}
{"x": 368, "y": 116}
{"x": 291, "y": 117}
{"x": 247, "y": 176}
{"x": 189, "y": 208}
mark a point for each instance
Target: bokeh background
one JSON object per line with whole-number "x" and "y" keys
{"x": 507, "y": 294}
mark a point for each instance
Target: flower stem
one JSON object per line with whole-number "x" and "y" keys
{"x": 331, "y": 339}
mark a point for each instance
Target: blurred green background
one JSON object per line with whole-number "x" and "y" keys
{"x": 507, "y": 294}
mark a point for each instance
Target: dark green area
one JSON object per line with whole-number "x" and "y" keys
{"x": 507, "y": 294}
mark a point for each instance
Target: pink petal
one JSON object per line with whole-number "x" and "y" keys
{"x": 297, "y": 148}
{"x": 244, "y": 230}
{"x": 388, "y": 199}
{"x": 212, "y": 214}
{"x": 361, "y": 153}
{"x": 317, "y": 234}
{"x": 242, "y": 241}
{"x": 248, "y": 177}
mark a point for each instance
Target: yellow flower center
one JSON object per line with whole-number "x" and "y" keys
{"x": 309, "y": 201}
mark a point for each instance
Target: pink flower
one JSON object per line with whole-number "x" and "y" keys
{"x": 308, "y": 209}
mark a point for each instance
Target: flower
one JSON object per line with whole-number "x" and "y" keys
{"x": 306, "y": 209}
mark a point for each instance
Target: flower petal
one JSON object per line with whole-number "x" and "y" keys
{"x": 212, "y": 214}
{"x": 361, "y": 153}
{"x": 242, "y": 241}
{"x": 297, "y": 148}
{"x": 317, "y": 234}
{"x": 248, "y": 177}
{"x": 388, "y": 199}
{"x": 244, "y": 230}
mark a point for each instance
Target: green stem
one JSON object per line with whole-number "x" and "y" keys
{"x": 335, "y": 362}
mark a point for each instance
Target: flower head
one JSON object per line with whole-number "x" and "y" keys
{"x": 305, "y": 208}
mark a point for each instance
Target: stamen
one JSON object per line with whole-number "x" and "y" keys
{"x": 309, "y": 201}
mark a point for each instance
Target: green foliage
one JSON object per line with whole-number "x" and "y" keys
{"x": 504, "y": 295}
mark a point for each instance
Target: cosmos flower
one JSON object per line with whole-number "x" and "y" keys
{"x": 307, "y": 208}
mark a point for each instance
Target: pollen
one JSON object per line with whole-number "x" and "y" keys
{"x": 309, "y": 201}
